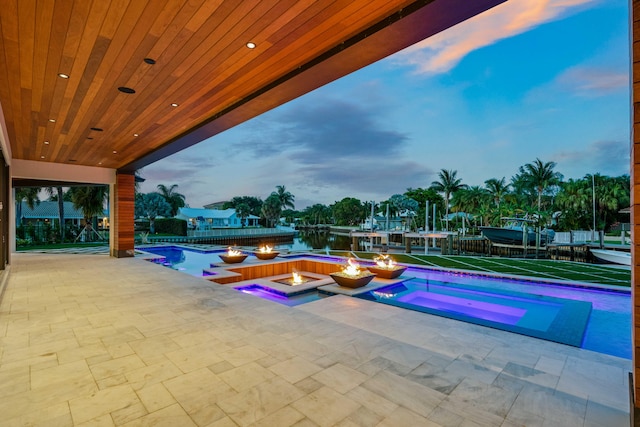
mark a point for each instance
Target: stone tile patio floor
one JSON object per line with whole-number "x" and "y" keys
{"x": 89, "y": 340}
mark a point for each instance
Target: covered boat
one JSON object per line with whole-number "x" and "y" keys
{"x": 513, "y": 232}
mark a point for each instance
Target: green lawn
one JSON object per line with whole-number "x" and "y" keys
{"x": 544, "y": 269}
{"x": 61, "y": 246}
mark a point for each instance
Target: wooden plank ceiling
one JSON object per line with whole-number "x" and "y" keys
{"x": 189, "y": 53}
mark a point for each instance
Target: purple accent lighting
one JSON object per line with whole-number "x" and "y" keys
{"x": 478, "y": 309}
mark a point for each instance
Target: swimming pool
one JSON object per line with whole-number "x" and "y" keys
{"x": 190, "y": 261}
{"x": 553, "y": 319}
{"x": 607, "y": 329}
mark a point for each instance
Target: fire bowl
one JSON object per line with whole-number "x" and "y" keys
{"x": 266, "y": 255}
{"x": 289, "y": 281}
{"x": 352, "y": 281}
{"x": 233, "y": 259}
{"x": 387, "y": 273}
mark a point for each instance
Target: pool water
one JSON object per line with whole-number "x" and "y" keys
{"x": 288, "y": 300}
{"x": 189, "y": 261}
{"x": 607, "y": 328}
{"x": 553, "y": 319}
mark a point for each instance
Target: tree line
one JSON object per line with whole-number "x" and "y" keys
{"x": 536, "y": 190}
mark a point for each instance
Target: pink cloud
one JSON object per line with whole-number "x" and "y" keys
{"x": 590, "y": 81}
{"x": 443, "y": 51}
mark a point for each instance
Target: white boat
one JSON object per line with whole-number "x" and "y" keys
{"x": 616, "y": 257}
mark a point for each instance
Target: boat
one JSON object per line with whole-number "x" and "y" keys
{"x": 512, "y": 232}
{"x": 616, "y": 257}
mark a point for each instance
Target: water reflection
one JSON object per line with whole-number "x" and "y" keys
{"x": 308, "y": 239}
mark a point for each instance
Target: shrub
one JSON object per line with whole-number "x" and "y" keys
{"x": 174, "y": 226}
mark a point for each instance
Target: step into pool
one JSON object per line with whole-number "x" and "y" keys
{"x": 553, "y": 319}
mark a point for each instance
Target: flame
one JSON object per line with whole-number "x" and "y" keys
{"x": 385, "y": 261}
{"x": 352, "y": 268}
{"x": 233, "y": 252}
{"x": 266, "y": 249}
{"x": 296, "y": 278}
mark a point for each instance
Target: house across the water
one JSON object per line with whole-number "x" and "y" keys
{"x": 205, "y": 219}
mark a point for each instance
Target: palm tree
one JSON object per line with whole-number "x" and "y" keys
{"x": 175, "y": 199}
{"x": 448, "y": 184}
{"x": 29, "y": 195}
{"x": 151, "y": 206}
{"x": 540, "y": 176}
{"x": 286, "y": 198}
{"x": 610, "y": 192}
{"x": 91, "y": 201}
{"x": 498, "y": 188}
{"x": 243, "y": 210}
{"x": 471, "y": 198}
{"x": 574, "y": 199}
{"x": 60, "y": 199}
{"x": 271, "y": 209}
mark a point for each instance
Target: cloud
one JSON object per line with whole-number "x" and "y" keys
{"x": 323, "y": 130}
{"x": 445, "y": 50}
{"x": 381, "y": 176}
{"x": 590, "y": 81}
{"x": 606, "y": 157}
{"x": 328, "y": 143}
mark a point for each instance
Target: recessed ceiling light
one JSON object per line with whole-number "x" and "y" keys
{"x": 173, "y": 104}
{"x": 251, "y": 45}
{"x": 125, "y": 89}
{"x": 52, "y": 120}
{"x": 99, "y": 163}
{"x": 135, "y": 134}
{"x": 89, "y": 137}
{"x": 63, "y": 75}
{"x": 115, "y": 152}
{"x": 46, "y": 143}
{"x": 149, "y": 61}
{"x": 97, "y": 129}
{"x": 42, "y": 157}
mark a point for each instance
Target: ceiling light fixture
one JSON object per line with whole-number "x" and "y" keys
{"x": 89, "y": 137}
{"x": 46, "y": 143}
{"x": 63, "y": 75}
{"x": 52, "y": 120}
{"x": 99, "y": 163}
{"x": 173, "y": 104}
{"x": 125, "y": 89}
{"x": 251, "y": 45}
{"x": 42, "y": 157}
{"x": 135, "y": 134}
{"x": 149, "y": 61}
{"x": 115, "y": 152}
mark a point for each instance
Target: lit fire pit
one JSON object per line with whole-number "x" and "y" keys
{"x": 386, "y": 267}
{"x": 266, "y": 252}
{"x": 352, "y": 276}
{"x": 233, "y": 256}
{"x": 295, "y": 279}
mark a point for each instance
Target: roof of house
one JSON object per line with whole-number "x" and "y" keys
{"x": 187, "y": 213}
{"x": 50, "y": 210}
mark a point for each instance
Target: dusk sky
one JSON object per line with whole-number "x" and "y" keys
{"x": 528, "y": 79}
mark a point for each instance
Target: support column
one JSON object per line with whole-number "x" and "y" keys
{"x": 122, "y": 216}
{"x": 635, "y": 199}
